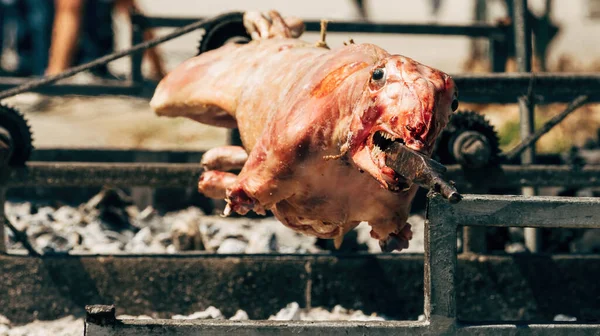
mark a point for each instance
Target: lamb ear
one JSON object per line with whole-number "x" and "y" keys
{"x": 204, "y": 88}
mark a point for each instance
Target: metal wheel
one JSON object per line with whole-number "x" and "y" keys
{"x": 19, "y": 135}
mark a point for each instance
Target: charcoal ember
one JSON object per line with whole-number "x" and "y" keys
{"x": 149, "y": 217}
{"x": 109, "y": 205}
{"x": 262, "y": 241}
{"x": 141, "y": 241}
{"x": 18, "y": 213}
{"x": 186, "y": 236}
{"x": 164, "y": 239}
{"x": 232, "y": 246}
{"x": 53, "y": 242}
{"x": 67, "y": 216}
{"x": 35, "y": 231}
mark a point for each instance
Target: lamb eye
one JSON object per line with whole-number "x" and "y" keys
{"x": 378, "y": 74}
{"x": 454, "y": 105}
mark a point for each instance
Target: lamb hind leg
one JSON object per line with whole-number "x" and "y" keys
{"x": 224, "y": 158}
{"x": 214, "y": 184}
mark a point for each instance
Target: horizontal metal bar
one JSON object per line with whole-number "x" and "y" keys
{"x": 122, "y": 154}
{"x": 551, "y": 329}
{"x": 250, "y": 328}
{"x": 474, "y": 30}
{"x": 516, "y": 176}
{"x": 519, "y": 211}
{"x": 58, "y": 174}
{"x": 107, "y": 87}
{"x": 50, "y": 174}
{"x": 346, "y": 328}
{"x": 546, "y": 87}
{"x": 503, "y": 88}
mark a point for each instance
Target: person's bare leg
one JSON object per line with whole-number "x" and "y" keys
{"x": 65, "y": 33}
{"x": 156, "y": 61}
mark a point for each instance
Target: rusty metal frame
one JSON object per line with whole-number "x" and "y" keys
{"x": 443, "y": 220}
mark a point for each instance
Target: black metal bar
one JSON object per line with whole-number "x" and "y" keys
{"x": 134, "y": 327}
{"x": 522, "y": 33}
{"x": 20, "y": 237}
{"x": 2, "y": 220}
{"x": 474, "y": 30}
{"x": 523, "y": 47}
{"x": 507, "y": 87}
{"x": 440, "y": 269}
{"x": 107, "y": 87}
{"x": 516, "y": 176}
{"x": 502, "y": 88}
{"x": 519, "y": 211}
{"x": 98, "y": 174}
{"x": 498, "y": 54}
{"x": 137, "y": 36}
{"x": 59, "y": 174}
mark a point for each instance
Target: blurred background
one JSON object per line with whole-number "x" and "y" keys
{"x": 104, "y": 26}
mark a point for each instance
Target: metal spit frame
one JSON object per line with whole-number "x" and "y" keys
{"x": 443, "y": 220}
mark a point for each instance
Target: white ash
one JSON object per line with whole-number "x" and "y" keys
{"x": 66, "y": 326}
{"x": 564, "y": 318}
{"x": 239, "y": 315}
{"x": 293, "y": 312}
{"x": 108, "y": 223}
{"x": 210, "y": 313}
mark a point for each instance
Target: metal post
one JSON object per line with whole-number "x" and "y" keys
{"x": 137, "y": 36}
{"x": 526, "y": 103}
{"x": 2, "y": 219}
{"x": 478, "y": 46}
{"x": 522, "y": 36}
{"x": 440, "y": 264}
{"x": 542, "y": 36}
{"x": 498, "y": 54}
{"x": 475, "y": 238}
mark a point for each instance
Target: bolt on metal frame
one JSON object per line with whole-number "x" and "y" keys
{"x": 443, "y": 220}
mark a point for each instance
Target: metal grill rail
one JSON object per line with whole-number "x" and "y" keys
{"x": 441, "y": 225}
{"x": 484, "y": 88}
{"x": 53, "y": 174}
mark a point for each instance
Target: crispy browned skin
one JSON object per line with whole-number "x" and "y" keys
{"x": 307, "y": 117}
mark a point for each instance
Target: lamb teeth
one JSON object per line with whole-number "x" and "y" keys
{"x": 375, "y": 151}
{"x": 388, "y": 136}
